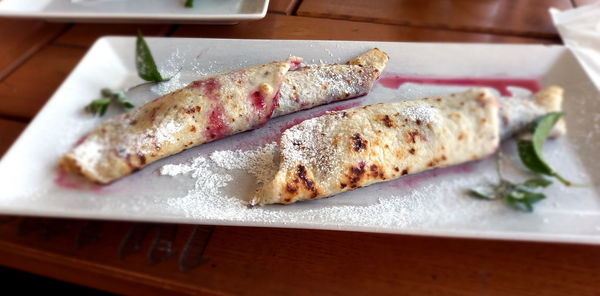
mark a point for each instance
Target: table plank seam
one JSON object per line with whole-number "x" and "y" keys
{"x": 15, "y": 118}
{"x": 96, "y": 268}
{"x": 294, "y": 6}
{"x": 30, "y": 53}
{"x": 172, "y": 30}
{"x": 464, "y": 29}
{"x": 66, "y": 45}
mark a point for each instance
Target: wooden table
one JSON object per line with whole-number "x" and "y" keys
{"x": 159, "y": 259}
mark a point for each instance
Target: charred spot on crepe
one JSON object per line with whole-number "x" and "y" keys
{"x": 142, "y": 158}
{"x": 308, "y": 183}
{"x": 292, "y": 187}
{"x": 358, "y": 143}
{"x": 387, "y": 121}
{"x": 411, "y": 136}
{"x": 356, "y": 174}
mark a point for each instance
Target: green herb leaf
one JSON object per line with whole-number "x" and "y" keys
{"x": 98, "y": 106}
{"x": 106, "y": 92}
{"x": 103, "y": 109}
{"x": 537, "y": 182}
{"x": 144, "y": 62}
{"x": 189, "y": 3}
{"x": 522, "y": 199}
{"x": 531, "y": 150}
{"x": 482, "y": 192}
{"x": 122, "y": 99}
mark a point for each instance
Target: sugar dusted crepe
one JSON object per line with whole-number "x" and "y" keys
{"x": 348, "y": 149}
{"x": 213, "y": 108}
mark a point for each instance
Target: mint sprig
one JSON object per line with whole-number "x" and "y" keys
{"x": 189, "y": 3}
{"x": 100, "y": 105}
{"x": 523, "y": 195}
{"x": 520, "y": 196}
{"x": 147, "y": 70}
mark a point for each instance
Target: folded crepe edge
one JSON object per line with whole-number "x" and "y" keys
{"x": 71, "y": 162}
{"x": 550, "y": 99}
{"x": 374, "y": 58}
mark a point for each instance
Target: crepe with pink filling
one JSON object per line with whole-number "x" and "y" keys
{"x": 203, "y": 111}
{"x": 216, "y": 107}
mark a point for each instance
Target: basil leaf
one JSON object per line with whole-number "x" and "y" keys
{"x": 482, "y": 192}
{"x": 144, "y": 62}
{"x": 189, "y": 3}
{"x": 537, "y": 182}
{"x": 531, "y": 150}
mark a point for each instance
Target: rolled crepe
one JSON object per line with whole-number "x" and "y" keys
{"x": 316, "y": 85}
{"x": 213, "y": 108}
{"x": 348, "y": 149}
{"x": 203, "y": 111}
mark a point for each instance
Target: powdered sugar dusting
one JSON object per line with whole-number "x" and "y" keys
{"x": 170, "y": 68}
{"x": 211, "y": 198}
{"x": 207, "y": 186}
{"x": 165, "y": 132}
{"x": 171, "y": 85}
{"x": 422, "y": 113}
{"x": 260, "y": 162}
{"x": 180, "y": 169}
{"x": 316, "y": 85}
{"x": 316, "y": 147}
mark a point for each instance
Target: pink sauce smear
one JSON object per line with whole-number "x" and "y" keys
{"x": 394, "y": 81}
{"x": 63, "y": 180}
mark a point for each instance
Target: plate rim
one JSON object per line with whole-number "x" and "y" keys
{"x": 132, "y": 17}
{"x": 469, "y": 234}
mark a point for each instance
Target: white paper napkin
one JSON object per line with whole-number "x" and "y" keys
{"x": 579, "y": 29}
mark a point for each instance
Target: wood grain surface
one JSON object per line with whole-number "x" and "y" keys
{"x": 585, "y": 2}
{"x": 294, "y": 27}
{"x": 518, "y": 17}
{"x": 24, "y": 91}
{"x": 264, "y": 261}
{"x": 283, "y": 6}
{"x": 9, "y": 131}
{"x": 19, "y": 39}
{"x": 85, "y": 34}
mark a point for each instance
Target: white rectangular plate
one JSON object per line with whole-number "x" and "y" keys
{"x": 430, "y": 203}
{"x": 126, "y": 11}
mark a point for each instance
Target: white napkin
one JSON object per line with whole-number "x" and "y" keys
{"x": 579, "y": 29}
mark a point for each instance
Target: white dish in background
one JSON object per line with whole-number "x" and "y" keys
{"x": 147, "y": 11}
{"x": 430, "y": 203}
